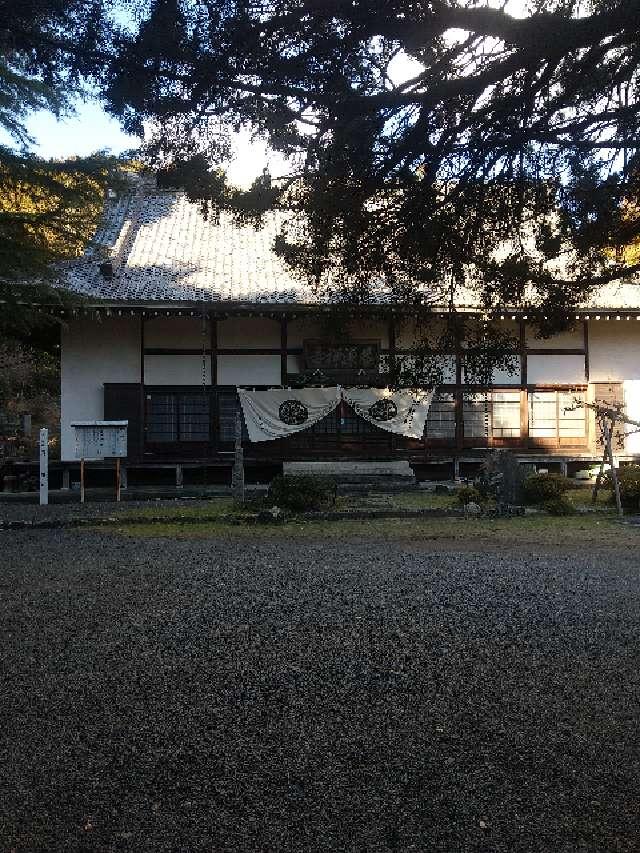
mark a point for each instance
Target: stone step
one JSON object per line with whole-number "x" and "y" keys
{"x": 392, "y": 473}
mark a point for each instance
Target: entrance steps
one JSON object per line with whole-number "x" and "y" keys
{"x": 396, "y": 474}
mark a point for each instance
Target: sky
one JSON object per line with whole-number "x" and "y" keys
{"x": 90, "y": 129}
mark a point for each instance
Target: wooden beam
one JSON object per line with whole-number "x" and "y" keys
{"x": 555, "y": 351}
{"x": 176, "y": 351}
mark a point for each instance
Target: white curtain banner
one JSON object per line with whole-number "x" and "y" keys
{"x": 278, "y": 413}
{"x": 404, "y": 412}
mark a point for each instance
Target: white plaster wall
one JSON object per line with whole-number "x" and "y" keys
{"x": 410, "y": 333}
{"x": 249, "y": 370}
{"x": 176, "y": 369}
{"x": 93, "y": 353}
{"x": 445, "y": 363}
{"x": 572, "y": 339}
{"x": 360, "y": 330}
{"x": 248, "y": 332}
{"x": 498, "y": 377}
{"x": 176, "y": 333}
{"x": 503, "y": 377}
{"x": 370, "y": 330}
{"x": 614, "y": 350}
{"x": 511, "y": 328}
{"x": 555, "y": 369}
{"x": 301, "y": 328}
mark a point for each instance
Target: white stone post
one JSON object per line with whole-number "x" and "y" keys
{"x": 44, "y": 467}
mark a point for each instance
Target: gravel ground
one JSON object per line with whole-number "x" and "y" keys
{"x": 220, "y": 695}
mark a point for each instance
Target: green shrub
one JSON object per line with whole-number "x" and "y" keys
{"x": 539, "y": 488}
{"x": 629, "y": 480}
{"x": 301, "y": 492}
{"x": 469, "y": 494}
{"x": 560, "y": 505}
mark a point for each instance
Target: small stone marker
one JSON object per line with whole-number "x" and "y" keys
{"x": 44, "y": 467}
{"x": 237, "y": 475}
{"x": 503, "y": 472}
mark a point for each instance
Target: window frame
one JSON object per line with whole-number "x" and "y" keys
{"x": 178, "y": 395}
{"x": 557, "y": 439}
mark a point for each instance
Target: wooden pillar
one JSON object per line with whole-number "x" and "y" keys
{"x": 213, "y": 326}
{"x": 524, "y": 391}
{"x": 585, "y": 333}
{"x": 179, "y": 477}
{"x": 392, "y": 346}
{"x": 458, "y": 399}
{"x": 284, "y": 367}
{"x": 142, "y": 394}
{"x": 523, "y": 354}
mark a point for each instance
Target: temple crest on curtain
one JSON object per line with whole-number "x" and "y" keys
{"x": 277, "y": 413}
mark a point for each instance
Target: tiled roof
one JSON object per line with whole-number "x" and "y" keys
{"x": 162, "y": 249}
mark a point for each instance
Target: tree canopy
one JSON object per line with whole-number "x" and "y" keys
{"x": 499, "y": 169}
{"x": 49, "y": 51}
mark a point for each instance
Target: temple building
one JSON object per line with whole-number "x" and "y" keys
{"x": 179, "y": 313}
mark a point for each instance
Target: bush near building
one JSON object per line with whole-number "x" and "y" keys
{"x": 302, "y": 492}
{"x": 629, "y": 481}
{"x": 469, "y": 494}
{"x": 560, "y": 505}
{"x": 539, "y": 488}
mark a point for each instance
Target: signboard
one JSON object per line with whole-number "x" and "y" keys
{"x": 100, "y": 439}
{"x": 361, "y": 355}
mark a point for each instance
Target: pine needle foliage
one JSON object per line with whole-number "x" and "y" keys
{"x": 497, "y": 165}
{"x": 51, "y": 51}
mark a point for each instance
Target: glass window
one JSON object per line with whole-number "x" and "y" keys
{"x": 571, "y": 415}
{"x": 476, "y": 413}
{"x": 177, "y": 417}
{"x": 505, "y": 414}
{"x": 557, "y": 414}
{"x": 193, "y": 412}
{"x": 441, "y": 421}
{"x": 227, "y": 405}
{"x": 162, "y": 417}
{"x": 543, "y": 414}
